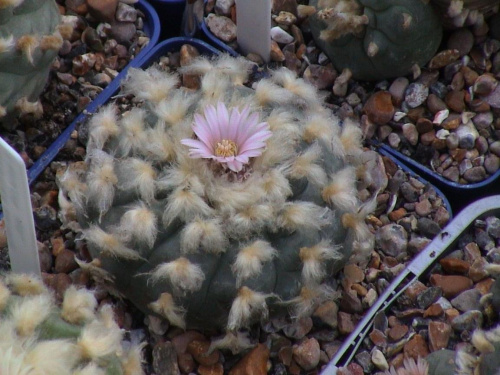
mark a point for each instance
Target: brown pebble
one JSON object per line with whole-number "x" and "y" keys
{"x": 455, "y": 101}
{"x": 253, "y": 363}
{"x": 215, "y": 369}
{"x": 451, "y": 285}
{"x": 378, "y": 338}
{"x": 454, "y": 265}
{"x": 199, "y": 350}
{"x": 397, "y": 332}
{"x": 433, "y": 311}
{"x": 379, "y": 107}
{"x": 439, "y": 335}
{"x": 397, "y": 214}
{"x": 65, "y": 262}
{"x": 443, "y": 58}
{"x": 345, "y": 323}
{"x": 416, "y": 347}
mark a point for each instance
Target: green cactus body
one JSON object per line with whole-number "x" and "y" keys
{"x": 29, "y": 42}
{"x": 376, "y": 39}
{"x": 203, "y": 245}
{"x": 39, "y": 337}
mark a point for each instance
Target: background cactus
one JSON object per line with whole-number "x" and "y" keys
{"x": 466, "y": 12}
{"x": 29, "y": 42}
{"x": 77, "y": 338}
{"x": 376, "y": 39}
{"x": 205, "y": 241}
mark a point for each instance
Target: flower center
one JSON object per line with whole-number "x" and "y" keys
{"x": 226, "y": 148}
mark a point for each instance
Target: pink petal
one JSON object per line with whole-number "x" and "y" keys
{"x": 235, "y": 165}
{"x": 203, "y": 131}
{"x": 196, "y": 145}
{"x": 234, "y": 124}
{"x": 212, "y": 120}
{"x": 251, "y": 153}
{"x": 252, "y": 142}
{"x": 243, "y": 158}
{"x": 246, "y": 128}
{"x": 223, "y": 120}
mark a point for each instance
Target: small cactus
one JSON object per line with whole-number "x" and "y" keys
{"x": 38, "y": 337}
{"x": 29, "y": 42}
{"x": 376, "y": 39}
{"x": 220, "y": 206}
{"x": 459, "y": 13}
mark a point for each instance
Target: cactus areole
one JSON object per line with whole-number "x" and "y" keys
{"x": 376, "y": 39}
{"x": 221, "y": 206}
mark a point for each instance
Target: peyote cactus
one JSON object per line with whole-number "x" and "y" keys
{"x": 376, "y": 39}
{"x": 29, "y": 42}
{"x": 37, "y": 337}
{"x": 218, "y": 206}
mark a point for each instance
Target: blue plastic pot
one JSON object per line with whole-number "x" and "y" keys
{"x": 460, "y": 195}
{"x": 152, "y": 29}
{"x": 170, "y": 13}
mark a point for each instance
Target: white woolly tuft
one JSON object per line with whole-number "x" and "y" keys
{"x": 246, "y": 307}
{"x": 250, "y": 220}
{"x": 181, "y": 273}
{"x": 235, "y": 68}
{"x": 109, "y": 243}
{"x": 465, "y": 362}
{"x": 133, "y": 136}
{"x": 356, "y": 220}
{"x": 102, "y": 126}
{"x": 101, "y": 337}
{"x": 209, "y": 234}
{"x": 481, "y": 342}
{"x": 351, "y": 138}
{"x": 29, "y": 312}
{"x": 229, "y": 199}
{"x": 174, "y": 109}
{"x": 305, "y": 166}
{"x": 78, "y": 305}
{"x": 309, "y": 299}
{"x": 27, "y": 45}
{"x": 90, "y": 369}
{"x": 200, "y": 65}
{"x": 280, "y": 120}
{"x": 24, "y": 106}
{"x": 6, "y": 43}
{"x": 275, "y": 185}
{"x": 250, "y": 259}
{"x": 132, "y": 361}
{"x": 166, "y": 307}
{"x": 73, "y": 187}
{"x": 4, "y": 296}
{"x": 297, "y": 86}
{"x": 314, "y": 258}
{"x": 185, "y": 205}
{"x": 12, "y": 362}
{"x": 140, "y": 224}
{"x": 341, "y": 192}
{"x": 455, "y": 8}
{"x": 152, "y": 84}
{"x": 101, "y": 182}
{"x": 24, "y": 284}
{"x": 159, "y": 145}
{"x": 325, "y": 129}
{"x": 235, "y": 341}
{"x": 214, "y": 87}
{"x": 176, "y": 177}
{"x": 267, "y": 92}
{"x": 55, "y": 357}
{"x": 140, "y": 175}
{"x": 303, "y": 216}
{"x": 280, "y": 149}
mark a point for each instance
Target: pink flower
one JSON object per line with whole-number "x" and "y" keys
{"x": 229, "y": 137}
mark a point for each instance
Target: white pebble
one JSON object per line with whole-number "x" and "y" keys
{"x": 281, "y": 36}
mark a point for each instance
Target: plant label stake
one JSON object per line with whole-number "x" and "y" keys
{"x": 18, "y": 213}
{"x": 254, "y": 27}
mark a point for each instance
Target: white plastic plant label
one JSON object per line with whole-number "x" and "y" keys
{"x": 17, "y": 210}
{"x": 254, "y": 27}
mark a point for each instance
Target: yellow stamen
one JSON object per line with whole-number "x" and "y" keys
{"x": 226, "y": 148}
